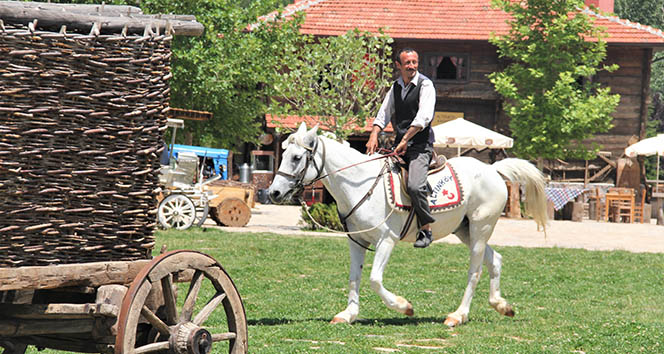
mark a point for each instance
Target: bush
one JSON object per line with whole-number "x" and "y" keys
{"x": 324, "y": 214}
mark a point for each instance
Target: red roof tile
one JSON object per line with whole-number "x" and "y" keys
{"x": 293, "y": 122}
{"x": 438, "y": 19}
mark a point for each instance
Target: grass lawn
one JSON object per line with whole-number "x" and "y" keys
{"x": 566, "y": 301}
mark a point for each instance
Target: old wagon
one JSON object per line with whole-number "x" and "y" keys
{"x": 195, "y": 183}
{"x": 81, "y": 123}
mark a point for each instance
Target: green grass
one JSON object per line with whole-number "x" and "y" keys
{"x": 566, "y": 301}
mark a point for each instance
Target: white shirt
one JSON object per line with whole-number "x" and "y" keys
{"x": 426, "y": 107}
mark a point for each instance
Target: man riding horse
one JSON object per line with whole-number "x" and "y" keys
{"x": 410, "y": 105}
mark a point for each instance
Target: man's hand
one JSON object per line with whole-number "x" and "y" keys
{"x": 403, "y": 144}
{"x": 401, "y": 147}
{"x": 372, "y": 144}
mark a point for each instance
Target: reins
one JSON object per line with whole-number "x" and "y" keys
{"x": 392, "y": 153}
{"x": 300, "y": 184}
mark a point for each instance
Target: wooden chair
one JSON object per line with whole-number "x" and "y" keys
{"x": 620, "y": 204}
{"x": 639, "y": 209}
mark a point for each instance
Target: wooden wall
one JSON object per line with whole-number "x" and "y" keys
{"x": 631, "y": 81}
{"x": 481, "y": 105}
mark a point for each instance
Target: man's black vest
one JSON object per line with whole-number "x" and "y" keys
{"x": 405, "y": 110}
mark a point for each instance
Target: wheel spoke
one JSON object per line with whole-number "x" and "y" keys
{"x": 218, "y": 337}
{"x": 153, "y": 347}
{"x": 169, "y": 299}
{"x": 207, "y": 310}
{"x": 190, "y": 301}
{"x": 155, "y": 321}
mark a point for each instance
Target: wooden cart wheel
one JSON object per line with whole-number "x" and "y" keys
{"x": 176, "y": 211}
{"x": 233, "y": 212}
{"x": 178, "y": 326}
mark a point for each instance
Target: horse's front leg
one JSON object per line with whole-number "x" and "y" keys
{"x": 383, "y": 250}
{"x": 356, "y": 263}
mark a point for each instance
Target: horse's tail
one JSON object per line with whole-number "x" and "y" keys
{"x": 522, "y": 171}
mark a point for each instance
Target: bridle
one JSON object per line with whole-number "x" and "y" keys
{"x": 300, "y": 185}
{"x": 311, "y": 152}
{"x": 319, "y": 170}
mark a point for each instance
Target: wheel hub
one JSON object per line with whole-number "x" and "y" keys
{"x": 188, "y": 338}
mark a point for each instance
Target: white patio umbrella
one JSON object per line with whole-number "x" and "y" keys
{"x": 648, "y": 147}
{"x": 460, "y": 133}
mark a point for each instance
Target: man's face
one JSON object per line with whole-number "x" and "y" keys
{"x": 408, "y": 65}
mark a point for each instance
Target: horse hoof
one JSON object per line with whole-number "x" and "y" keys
{"x": 452, "y": 322}
{"x": 509, "y": 312}
{"x": 409, "y": 311}
{"x": 338, "y": 320}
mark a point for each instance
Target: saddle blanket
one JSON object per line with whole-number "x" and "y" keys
{"x": 446, "y": 191}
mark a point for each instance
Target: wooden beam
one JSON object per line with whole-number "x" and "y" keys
{"x": 105, "y": 9}
{"x": 80, "y": 274}
{"x": 607, "y": 160}
{"x": 18, "y": 328}
{"x": 12, "y": 13}
{"x": 600, "y": 173}
{"x": 57, "y": 311}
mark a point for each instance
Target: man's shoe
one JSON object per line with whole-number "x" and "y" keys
{"x": 423, "y": 239}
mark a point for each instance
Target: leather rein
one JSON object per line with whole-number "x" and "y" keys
{"x": 300, "y": 185}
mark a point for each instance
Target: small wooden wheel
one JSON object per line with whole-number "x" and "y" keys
{"x": 151, "y": 320}
{"x": 177, "y": 211}
{"x": 233, "y": 212}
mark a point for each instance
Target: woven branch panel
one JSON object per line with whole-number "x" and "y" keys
{"x": 81, "y": 125}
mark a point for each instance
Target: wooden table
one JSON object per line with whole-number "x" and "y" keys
{"x": 618, "y": 197}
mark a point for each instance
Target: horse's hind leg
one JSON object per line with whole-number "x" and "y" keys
{"x": 493, "y": 261}
{"x": 356, "y": 262}
{"x": 477, "y": 232}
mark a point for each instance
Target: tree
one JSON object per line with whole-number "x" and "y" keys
{"x": 337, "y": 79}
{"x": 552, "y": 51}
{"x": 645, "y": 12}
{"x": 228, "y": 70}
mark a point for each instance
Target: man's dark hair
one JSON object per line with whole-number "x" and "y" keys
{"x": 405, "y": 50}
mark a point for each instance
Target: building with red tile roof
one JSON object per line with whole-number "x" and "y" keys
{"x": 455, "y": 34}
{"x": 449, "y": 20}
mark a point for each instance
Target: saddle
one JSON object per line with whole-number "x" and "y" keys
{"x": 445, "y": 190}
{"x": 437, "y": 163}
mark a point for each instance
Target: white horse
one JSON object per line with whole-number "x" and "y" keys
{"x": 308, "y": 157}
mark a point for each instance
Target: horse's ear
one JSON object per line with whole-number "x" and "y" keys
{"x": 310, "y": 137}
{"x": 302, "y": 129}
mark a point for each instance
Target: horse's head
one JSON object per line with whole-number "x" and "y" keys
{"x": 298, "y": 167}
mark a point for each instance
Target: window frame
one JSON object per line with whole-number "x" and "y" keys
{"x": 426, "y": 69}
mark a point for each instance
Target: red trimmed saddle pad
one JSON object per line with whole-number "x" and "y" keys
{"x": 446, "y": 194}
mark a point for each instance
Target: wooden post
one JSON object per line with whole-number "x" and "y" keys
{"x": 513, "y": 200}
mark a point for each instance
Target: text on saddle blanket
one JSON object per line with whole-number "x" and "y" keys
{"x": 446, "y": 192}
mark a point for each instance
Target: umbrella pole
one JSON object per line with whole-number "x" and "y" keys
{"x": 657, "y": 176}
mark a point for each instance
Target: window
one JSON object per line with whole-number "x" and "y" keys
{"x": 449, "y": 67}
{"x": 262, "y": 160}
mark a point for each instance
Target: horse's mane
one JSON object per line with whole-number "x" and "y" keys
{"x": 351, "y": 153}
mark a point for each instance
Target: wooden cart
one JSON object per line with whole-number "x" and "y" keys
{"x": 82, "y": 121}
{"x": 123, "y": 307}
{"x": 232, "y": 203}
